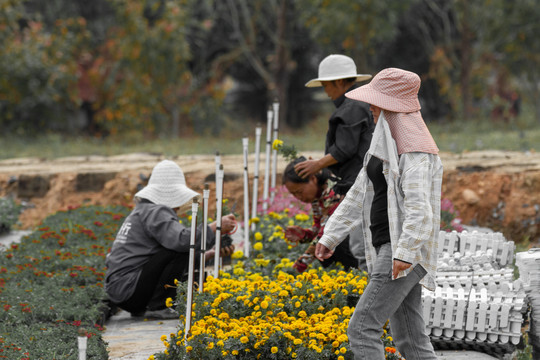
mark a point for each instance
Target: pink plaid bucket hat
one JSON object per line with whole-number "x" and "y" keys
{"x": 396, "y": 92}
{"x": 391, "y": 89}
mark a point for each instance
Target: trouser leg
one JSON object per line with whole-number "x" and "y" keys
{"x": 381, "y": 299}
{"x": 150, "y": 291}
{"x": 408, "y": 327}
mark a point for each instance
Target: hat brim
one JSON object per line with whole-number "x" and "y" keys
{"x": 176, "y": 196}
{"x": 317, "y": 82}
{"x": 371, "y": 96}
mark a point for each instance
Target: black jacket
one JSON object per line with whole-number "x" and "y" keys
{"x": 350, "y": 129}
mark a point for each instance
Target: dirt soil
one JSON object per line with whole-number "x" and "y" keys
{"x": 494, "y": 189}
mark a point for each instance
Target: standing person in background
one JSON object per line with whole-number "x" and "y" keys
{"x": 350, "y": 128}
{"x": 397, "y": 196}
{"x": 151, "y": 249}
{"x": 318, "y": 190}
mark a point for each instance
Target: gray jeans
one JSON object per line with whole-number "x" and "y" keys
{"x": 398, "y": 300}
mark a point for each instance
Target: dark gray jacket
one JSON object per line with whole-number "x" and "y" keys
{"x": 350, "y": 129}
{"x": 146, "y": 230}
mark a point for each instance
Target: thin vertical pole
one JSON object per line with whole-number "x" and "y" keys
{"x": 219, "y": 206}
{"x": 245, "y": 144}
{"x": 258, "y": 132}
{"x": 206, "y": 195}
{"x": 275, "y": 105}
{"x": 191, "y": 269}
{"x": 269, "y": 117}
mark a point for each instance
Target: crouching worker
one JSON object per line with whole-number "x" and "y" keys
{"x": 318, "y": 190}
{"x": 151, "y": 248}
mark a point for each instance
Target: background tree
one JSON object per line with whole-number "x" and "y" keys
{"x": 38, "y": 67}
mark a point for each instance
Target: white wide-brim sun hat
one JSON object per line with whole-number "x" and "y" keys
{"x": 335, "y": 67}
{"x": 167, "y": 186}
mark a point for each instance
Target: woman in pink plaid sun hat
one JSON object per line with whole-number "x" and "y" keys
{"x": 397, "y": 196}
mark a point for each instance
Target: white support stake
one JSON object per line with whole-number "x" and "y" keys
{"x": 258, "y": 132}
{"x": 245, "y": 144}
{"x": 275, "y": 105}
{"x": 219, "y": 207}
{"x": 206, "y": 195}
{"x": 269, "y": 117}
{"x": 191, "y": 269}
{"x": 82, "y": 341}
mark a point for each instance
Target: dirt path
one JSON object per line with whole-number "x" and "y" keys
{"x": 500, "y": 190}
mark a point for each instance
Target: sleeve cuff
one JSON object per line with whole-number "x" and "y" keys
{"x": 404, "y": 255}
{"x": 328, "y": 242}
{"x": 403, "y": 261}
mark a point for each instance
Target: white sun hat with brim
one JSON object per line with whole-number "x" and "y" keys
{"x": 335, "y": 67}
{"x": 167, "y": 186}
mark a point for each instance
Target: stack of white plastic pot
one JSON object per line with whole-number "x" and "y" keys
{"x": 477, "y": 304}
{"x": 528, "y": 263}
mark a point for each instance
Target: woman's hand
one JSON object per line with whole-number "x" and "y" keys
{"x": 225, "y": 251}
{"x": 294, "y": 233}
{"x": 307, "y": 168}
{"x": 228, "y": 223}
{"x": 322, "y": 252}
{"x": 399, "y": 266}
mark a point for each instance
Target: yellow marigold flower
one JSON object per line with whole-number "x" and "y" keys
{"x": 277, "y": 144}
{"x": 258, "y": 246}
{"x": 189, "y": 348}
{"x": 176, "y": 282}
{"x": 151, "y": 357}
{"x": 169, "y": 302}
{"x": 258, "y": 236}
{"x": 254, "y": 220}
{"x": 274, "y": 349}
{"x": 163, "y": 338}
{"x": 238, "y": 254}
{"x": 389, "y": 338}
{"x": 297, "y": 304}
{"x": 210, "y": 346}
{"x": 343, "y": 350}
{"x": 302, "y": 217}
{"x": 239, "y": 271}
{"x": 297, "y": 341}
{"x": 335, "y": 344}
{"x": 244, "y": 339}
{"x": 340, "y": 358}
{"x": 264, "y": 304}
{"x": 234, "y": 352}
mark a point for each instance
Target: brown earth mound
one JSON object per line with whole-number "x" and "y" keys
{"x": 498, "y": 190}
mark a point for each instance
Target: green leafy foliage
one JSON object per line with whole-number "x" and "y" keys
{"x": 51, "y": 285}
{"x": 9, "y": 213}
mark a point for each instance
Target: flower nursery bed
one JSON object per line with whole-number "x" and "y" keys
{"x": 51, "y": 285}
